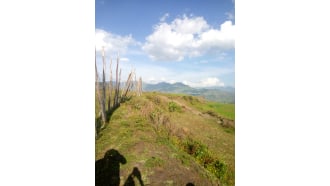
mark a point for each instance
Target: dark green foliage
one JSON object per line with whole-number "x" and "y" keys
{"x": 155, "y": 115}
{"x": 202, "y": 155}
{"x": 173, "y": 107}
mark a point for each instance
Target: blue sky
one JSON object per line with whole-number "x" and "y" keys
{"x": 173, "y": 41}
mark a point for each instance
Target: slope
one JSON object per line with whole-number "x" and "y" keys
{"x": 165, "y": 139}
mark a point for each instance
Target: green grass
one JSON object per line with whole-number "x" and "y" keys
{"x": 222, "y": 109}
{"x": 225, "y": 110}
{"x": 146, "y": 130}
{"x": 154, "y": 162}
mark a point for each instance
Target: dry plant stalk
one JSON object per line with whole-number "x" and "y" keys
{"x": 110, "y": 87}
{"x": 128, "y": 85}
{"x": 103, "y": 83}
{"x": 139, "y": 87}
{"x": 116, "y": 85}
{"x": 114, "y": 100}
{"x": 103, "y": 113}
{"x": 118, "y": 89}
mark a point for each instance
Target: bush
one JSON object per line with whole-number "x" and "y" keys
{"x": 202, "y": 155}
{"x": 173, "y": 107}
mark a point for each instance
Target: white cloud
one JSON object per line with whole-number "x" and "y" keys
{"x": 164, "y": 17}
{"x": 199, "y": 77}
{"x": 112, "y": 43}
{"x": 188, "y": 37}
{"x": 193, "y": 25}
{"x": 124, "y": 59}
{"x": 221, "y": 39}
{"x": 208, "y": 82}
{"x": 230, "y": 16}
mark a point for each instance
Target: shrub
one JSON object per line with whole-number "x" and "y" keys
{"x": 202, "y": 155}
{"x": 172, "y": 107}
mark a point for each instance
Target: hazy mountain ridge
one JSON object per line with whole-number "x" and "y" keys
{"x": 218, "y": 94}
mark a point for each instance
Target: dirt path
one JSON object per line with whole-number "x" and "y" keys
{"x": 184, "y": 106}
{"x": 220, "y": 120}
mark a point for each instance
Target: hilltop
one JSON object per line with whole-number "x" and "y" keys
{"x": 168, "y": 139}
{"x": 218, "y": 94}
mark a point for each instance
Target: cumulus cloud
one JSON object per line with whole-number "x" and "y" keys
{"x": 230, "y": 15}
{"x": 112, "y": 43}
{"x": 164, "y": 17}
{"x": 221, "y": 39}
{"x": 188, "y": 37}
{"x": 208, "y": 82}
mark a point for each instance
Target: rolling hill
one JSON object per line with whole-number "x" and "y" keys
{"x": 218, "y": 94}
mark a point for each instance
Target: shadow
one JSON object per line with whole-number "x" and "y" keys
{"x": 98, "y": 120}
{"x": 107, "y": 169}
{"x": 190, "y": 184}
{"x": 98, "y": 124}
{"x": 111, "y": 111}
{"x": 135, "y": 174}
{"x": 127, "y": 98}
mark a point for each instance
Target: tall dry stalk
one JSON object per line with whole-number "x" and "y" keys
{"x": 116, "y": 85}
{"x": 118, "y": 89}
{"x": 103, "y": 82}
{"x": 114, "y": 88}
{"x": 99, "y": 96}
{"x": 127, "y": 85}
{"x": 110, "y": 87}
{"x": 139, "y": 88}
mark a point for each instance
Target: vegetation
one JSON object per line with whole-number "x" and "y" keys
{"x": 112, "y": 96}
{"x": 173, "y": 107}
{"x": 221, "y": 109}
{"x": 166, "y": 134}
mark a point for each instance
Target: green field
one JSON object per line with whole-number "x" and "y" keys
{"x": 223, "y": 109}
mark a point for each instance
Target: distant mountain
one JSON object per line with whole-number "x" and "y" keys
{"x": 167, "y": 87}
{"x": 218, "y": 94}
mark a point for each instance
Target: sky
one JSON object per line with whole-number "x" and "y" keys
{"x": 192, "y": 42}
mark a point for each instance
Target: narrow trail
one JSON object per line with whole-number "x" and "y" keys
{"x": 190, "y": 109}
{"x": 220, "y": 120}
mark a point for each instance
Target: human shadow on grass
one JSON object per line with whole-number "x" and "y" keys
{"x": 131, "y": 180}
{"x": 107, "y": 169}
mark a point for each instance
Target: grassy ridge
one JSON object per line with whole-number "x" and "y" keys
{"x": 161, "y": 135}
